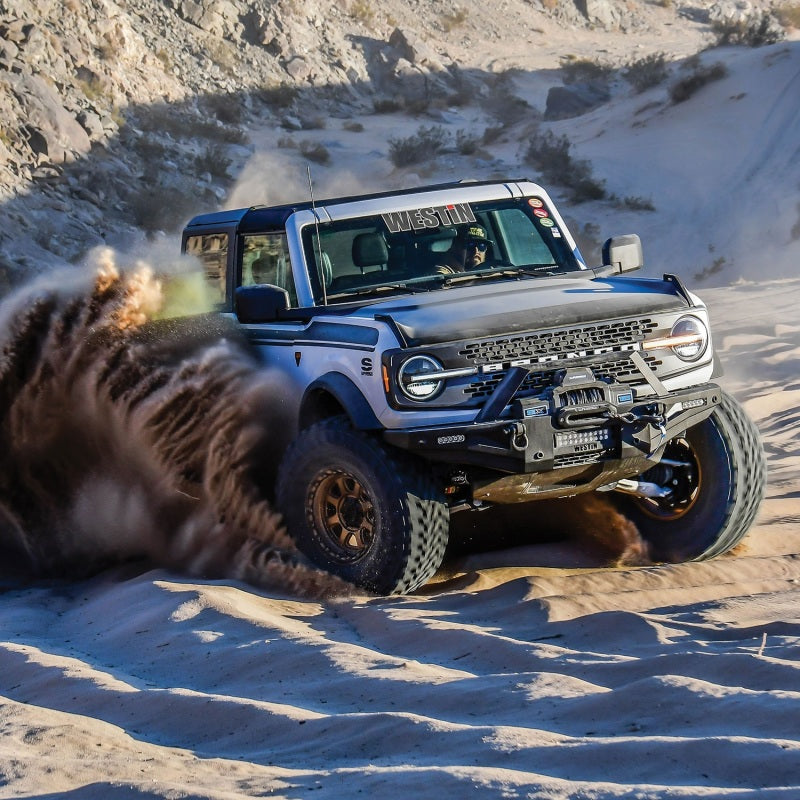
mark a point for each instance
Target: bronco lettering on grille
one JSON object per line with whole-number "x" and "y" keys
{"x": 524, "y": 362}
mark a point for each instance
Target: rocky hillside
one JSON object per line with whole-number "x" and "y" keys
{"x": 119, "y": 118}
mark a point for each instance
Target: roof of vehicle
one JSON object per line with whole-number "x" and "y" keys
{"x": 261, "y": 218}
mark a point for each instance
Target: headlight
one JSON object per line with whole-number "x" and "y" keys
{"x": 688, "y": 339}
{"x": 691, "y": 338}
{"x": 414, "y": 381}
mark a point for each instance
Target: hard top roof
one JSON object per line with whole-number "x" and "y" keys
{"x": 260, "y": 218}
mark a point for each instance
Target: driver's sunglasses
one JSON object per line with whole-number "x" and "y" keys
{"x": 479, "y": 246}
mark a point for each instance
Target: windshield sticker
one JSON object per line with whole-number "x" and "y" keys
{"x": 540, "y": 212}
{"x": 430, "y": 217}
{"x": 535, "y": 202}
{"x": 547, "y": 222}
{"x": 556, "y": 233}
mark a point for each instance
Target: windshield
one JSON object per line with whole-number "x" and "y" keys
{"x": 431, "y": 247}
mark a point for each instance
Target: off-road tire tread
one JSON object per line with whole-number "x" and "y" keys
{"x": 422, "y": 508}
{"x": 750, "y": 471}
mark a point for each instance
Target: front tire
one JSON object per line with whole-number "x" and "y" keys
{"x": 717, "y": 474}
{"x": 367, "y": 514}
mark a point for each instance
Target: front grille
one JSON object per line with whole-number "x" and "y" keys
{"x": 559, "y": 343}
{"x": 554, "y": 343}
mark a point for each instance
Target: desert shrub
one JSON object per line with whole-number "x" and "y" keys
{"x": 700, "y": 75}
{"x": 466, "y": 143}
{"x": 353, "y": 127}
{"x": 644, "y": 73}
{"x": 179, "y": 124}
{"x": 361, "y": 11}
{"x": 550, "y": 155}
{"x": 282, "y": 95}
{"x": 425, "y": 143}
{"x": 492, "y": 134}
{"x": 753, "y": 31}
{"x": 386, "y": 105}
{"x": 637, "y": 203}
{"x": 584, "y": 70}
{"x": 788, "y": 15}
{"x": 223, "y": 107}
{"x": 715, "y": 267}
{"x": 315, "y": 151}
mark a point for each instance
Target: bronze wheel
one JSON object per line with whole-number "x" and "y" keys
{"x": 344, "y": 513}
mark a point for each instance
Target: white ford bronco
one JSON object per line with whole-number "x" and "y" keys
{"x": 446, "y": 347}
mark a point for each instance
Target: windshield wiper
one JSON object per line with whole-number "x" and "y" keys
{"x": 533, "y": 270}
{"x": 376, "y": 289}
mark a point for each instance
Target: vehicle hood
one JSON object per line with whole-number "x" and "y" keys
{"x": 487, "y": 309}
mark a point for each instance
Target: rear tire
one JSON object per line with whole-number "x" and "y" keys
{"x": 718, "y": 482}
{"x": 370, "y": 515}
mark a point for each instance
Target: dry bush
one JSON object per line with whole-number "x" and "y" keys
{"x": 492, "y": 134}
{"x": 361, "y": 11}
{"x": 467, "y": 143}
{"x": 387, "y": 105}
{"x": 550, "y": 155}
{"x": 584, "y": 70}
{"x": 638, "y": 203}
{"x": 647, "y": 72}
{"x": 421, "y": 146}
{"x": 753, "y": 31}
{"x": 281, "y": 95}
{"x": 315, "y": 151}
{"x": 223, "y": 107}
{"x": 699, "y": 76}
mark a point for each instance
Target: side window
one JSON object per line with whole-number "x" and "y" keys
{"x": 265, "y": 259}
{"x": 211, "y": 249}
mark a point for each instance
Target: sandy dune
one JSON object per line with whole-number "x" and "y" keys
{"x": 534, "y": 671}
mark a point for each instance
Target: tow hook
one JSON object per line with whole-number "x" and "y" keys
{"x": 518, "y": 436}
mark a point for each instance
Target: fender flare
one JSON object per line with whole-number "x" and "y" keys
{"x": 345, "y": 393}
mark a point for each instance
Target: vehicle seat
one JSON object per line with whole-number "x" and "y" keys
{"x": 369, "y": 250}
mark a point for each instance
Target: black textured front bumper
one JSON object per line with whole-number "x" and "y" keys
{"x": 573, "y": 429}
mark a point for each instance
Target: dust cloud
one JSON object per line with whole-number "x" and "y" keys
{"x": 126, "y": 436}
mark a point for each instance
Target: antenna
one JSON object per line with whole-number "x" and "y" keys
{"x": 320, "y": 269}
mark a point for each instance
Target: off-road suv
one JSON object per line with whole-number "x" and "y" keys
{"x": 446, "y": 347}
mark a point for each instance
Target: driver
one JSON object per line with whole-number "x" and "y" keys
{"x": 468, "y": 251}
{"x": 477, "y": 246}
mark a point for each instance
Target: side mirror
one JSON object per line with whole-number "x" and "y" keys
{"x": 261, "y": 302}
{"x": 623, "y": 253}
